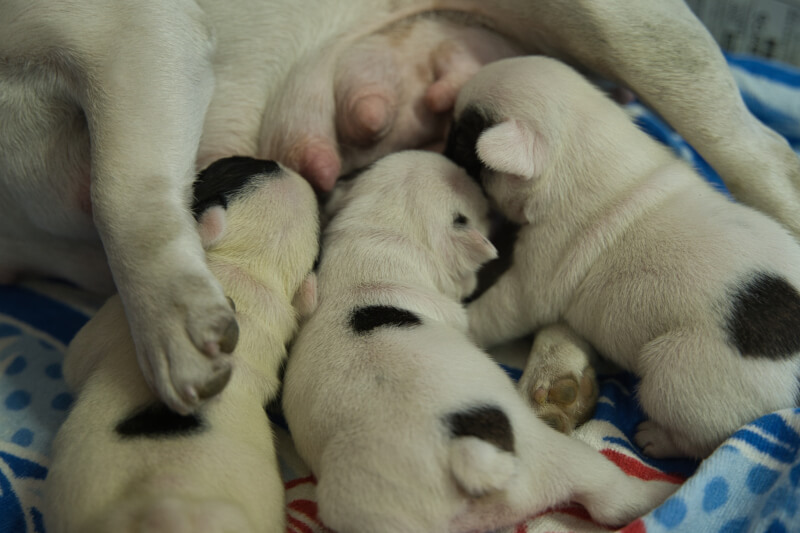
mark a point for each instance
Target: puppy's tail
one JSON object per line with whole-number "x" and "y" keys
{"x": 482, "y": 458}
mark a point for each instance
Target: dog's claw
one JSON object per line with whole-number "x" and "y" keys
{"x": 230, "y": 338}
{"x": 215, "y": 385}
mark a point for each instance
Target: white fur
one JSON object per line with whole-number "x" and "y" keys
{"x": 368, "y": 411}
{"x": 107, "y": 109}
{"x": 634, "y": 251}
{"x": 224, "y": 478}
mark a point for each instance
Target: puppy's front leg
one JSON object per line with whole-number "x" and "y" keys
{"x": 145, "y": 103}
{"x": 662, "y": 52}
{"x": 501, "y": 313}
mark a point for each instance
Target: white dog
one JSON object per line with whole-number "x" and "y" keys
{"x": 635, "y": 251}
{"x": 406, "y": 424}
{"x": 106, "y": 109}
{"x": 122, "y": 461}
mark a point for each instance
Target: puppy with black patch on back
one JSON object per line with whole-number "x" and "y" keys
{"x": 406, "y": 424}
{"x": 630, "y": 247}
{"x": 123, "y": 461}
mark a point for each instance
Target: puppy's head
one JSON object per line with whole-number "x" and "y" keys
{"x": 430, "y": 203}
{"x": 520, "y": 129}
{"x": 258, "y": 215}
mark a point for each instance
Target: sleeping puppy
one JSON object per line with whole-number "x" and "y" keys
{"x": 634, "y": 251}
{"x": 123, "y": 461}
{"x": 408, "y": 426}
{"x": 107, "y": 109}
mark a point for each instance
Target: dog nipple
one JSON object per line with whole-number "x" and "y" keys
{"x": 320, "y": 165}
{"x": 371, "y": 119}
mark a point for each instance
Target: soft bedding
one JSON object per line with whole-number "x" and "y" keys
{"x": 751, "y": 483}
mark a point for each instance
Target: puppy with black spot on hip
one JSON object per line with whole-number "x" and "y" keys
{"x": 662, "y": 274}
{"x": 406, "y": 424}
{"x": 123, "y": 461}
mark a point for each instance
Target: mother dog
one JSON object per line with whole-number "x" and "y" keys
{"x": 107, "y": 109}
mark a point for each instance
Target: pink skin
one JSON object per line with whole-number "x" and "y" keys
{"x": 392, "y": 90}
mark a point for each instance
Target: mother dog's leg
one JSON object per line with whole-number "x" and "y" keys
{"x": 144, "y": 82}
{"x": 660, "y": 50}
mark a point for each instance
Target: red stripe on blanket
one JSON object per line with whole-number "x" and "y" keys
{"x": 299, "y": 481}
{"x": 297, "y": 525}
{"x": 634, "y": 467}
{"x": 305, "y": 507}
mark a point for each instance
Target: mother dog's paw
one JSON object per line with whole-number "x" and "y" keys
{"x": 184, "y": 343}
{"x": 175, "y": 515}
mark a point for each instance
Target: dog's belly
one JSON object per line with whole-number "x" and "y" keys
{"x": 275, "y": 70}
{"x": 45, "y": 168}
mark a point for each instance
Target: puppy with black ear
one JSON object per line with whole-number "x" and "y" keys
{"x": 123, "y": 461}
{"x": 634, "y": 251}
{"x": 406, "y": 424}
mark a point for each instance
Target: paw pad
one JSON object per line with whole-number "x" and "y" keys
{"x": 567, "y": 402}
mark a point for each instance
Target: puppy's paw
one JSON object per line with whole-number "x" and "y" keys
{"x": 559, "y": 381}
{"x": 176, "y": 515}
{"x": 184, "y": 339}
{"x": 655, "y": 441}
{"x": 566, "y": 402}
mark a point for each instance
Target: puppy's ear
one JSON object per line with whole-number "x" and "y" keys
{"x": 211, "y": 225}
{"x": 478, "y": 248}
{"x": 512, "y": 148}
{"x": 305, "y": 299}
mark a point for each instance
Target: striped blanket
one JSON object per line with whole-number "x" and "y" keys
{"x": 751, "y": 483}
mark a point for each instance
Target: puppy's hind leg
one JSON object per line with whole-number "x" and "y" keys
{"x": 565, "y": 468}
{"x": 697, "y": 390}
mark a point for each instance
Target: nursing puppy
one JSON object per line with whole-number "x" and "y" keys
{"x": 408, "y": 426}
{"x": 106, "y": 111}
{"x": 123, "y": 461}
{"x": 635, "y": 251}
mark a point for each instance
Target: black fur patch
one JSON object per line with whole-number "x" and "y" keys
{"x": 765, "y": 318}
{"x": 224, "y": 178}
{"x": 274, "y": 408}
{"x": 158, "y": 421}
{"x": 504, "y": 237}
{"x": 365, "y": 319}
{"x": 463, "y": 137}
{"x": 486, "y": 423}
